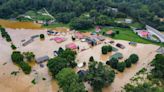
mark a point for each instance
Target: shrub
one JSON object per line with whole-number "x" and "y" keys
{"x": 121, "y": 66}
{"x": 113, "y": 63}
{"x": 17, "y": 57}
{"x": 91, "y": 58}
{"x": 42, "y": 36}
{"x": 106, "y": 49}
{"x": 134, "y": 58}
{"x": 128, "y": 63}
{"x": 13, "y": 46}
{"x": 25, "y": 67}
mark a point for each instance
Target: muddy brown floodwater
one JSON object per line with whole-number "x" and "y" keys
{"x": 17, "y": 25}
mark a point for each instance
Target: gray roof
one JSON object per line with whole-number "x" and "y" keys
{"x": 42, "y": 59}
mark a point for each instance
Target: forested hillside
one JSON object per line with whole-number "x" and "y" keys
{"x": 148, "y": 12}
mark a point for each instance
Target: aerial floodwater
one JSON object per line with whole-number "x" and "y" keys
{"x": 81, "y": 45}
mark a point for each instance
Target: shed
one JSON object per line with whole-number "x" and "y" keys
{"x": 42, "y": 59}
{"x": 117, "y": 56}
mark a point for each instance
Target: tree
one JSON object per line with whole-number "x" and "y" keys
{"x": 17, "y": 57}
{"x": 113, "y": 62}
{"x": 128, "y": 63}
{"x": 29, "y": 56}
{"x": 13, "y": 46}
{"x": 106, "y": 49}
{"x": 91, "y": 59}
{"x": 25, "y": 67}
{"x": 145, "y": 87}
{"x": 100, "y": 75}
{"x": 158, "y": 64}
{"x": 121, "y": 66}
{"x": 55, "y": 65}
{"x": 42, "y": 36}
{"x": 70, "y": 56}
{"x": 81, "y": 23}
{"x": 68, "y": 80}
{"x": 60, "y": 50}
{"x": 134, "y": 58}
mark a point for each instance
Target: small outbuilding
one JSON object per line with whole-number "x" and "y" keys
{"x": 42, "y": 59}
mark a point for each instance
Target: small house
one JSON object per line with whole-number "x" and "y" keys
{"x": 42, "y": 59}
{"x": 110, "y": 32}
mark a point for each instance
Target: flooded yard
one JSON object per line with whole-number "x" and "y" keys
{"x": 22, "y": 83}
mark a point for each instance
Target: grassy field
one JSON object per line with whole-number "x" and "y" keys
{"x": 56, "y": 25}
{"x": 125, "y": 34}
{"x": 129, "y": 35}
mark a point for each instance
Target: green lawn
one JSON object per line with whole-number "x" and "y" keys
{"x": 129, "y": 35}
{"x": 56, "y": 25}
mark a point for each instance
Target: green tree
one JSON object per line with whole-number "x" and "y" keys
{"x": 81, "y": 23}
{"x": 25, "y": 67}
{"x": 91, "y": 59}
{"x": 100, "y": 75}
{"x": 17, "y": 57}
{"x": 134, "y": 58}
{"x": 13, "y": 46}
{"x": 158, "y": 64}
{"x": 42, "y": 36}
{"x": 56, "y": 64}
{"x": 106, "y": 49}
{"x": 68, "y": 80}
{"x": 29, "y": 56}
{"x": 128, "y": 63}
{"x": 121, "y": 66}
{"x": 113, "y": 62}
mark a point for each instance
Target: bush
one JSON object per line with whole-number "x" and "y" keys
{"x": 91, "y": 59}
{"x": 42, "y": 36}
{"x": 128, "y": 63}
{"x": 134, "y": 58}
{"x": 25, "y": 67}
{"x": 106, "y": 49}
{"x": 121, "y": 66}
{"x": 17, "y": 57}
{"x": 13, "y": 46}
{"x": 113, "y": 63}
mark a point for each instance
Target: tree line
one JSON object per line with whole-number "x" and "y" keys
{"x": 144, "y": 11}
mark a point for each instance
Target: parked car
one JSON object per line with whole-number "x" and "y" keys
{"x": 120, "y": 46}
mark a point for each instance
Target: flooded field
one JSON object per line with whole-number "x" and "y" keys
{"x": 16, "y": 24}
{"x": 22, "y": 83}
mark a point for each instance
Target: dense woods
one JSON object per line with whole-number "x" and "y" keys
{"x": 145, "y": 11}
